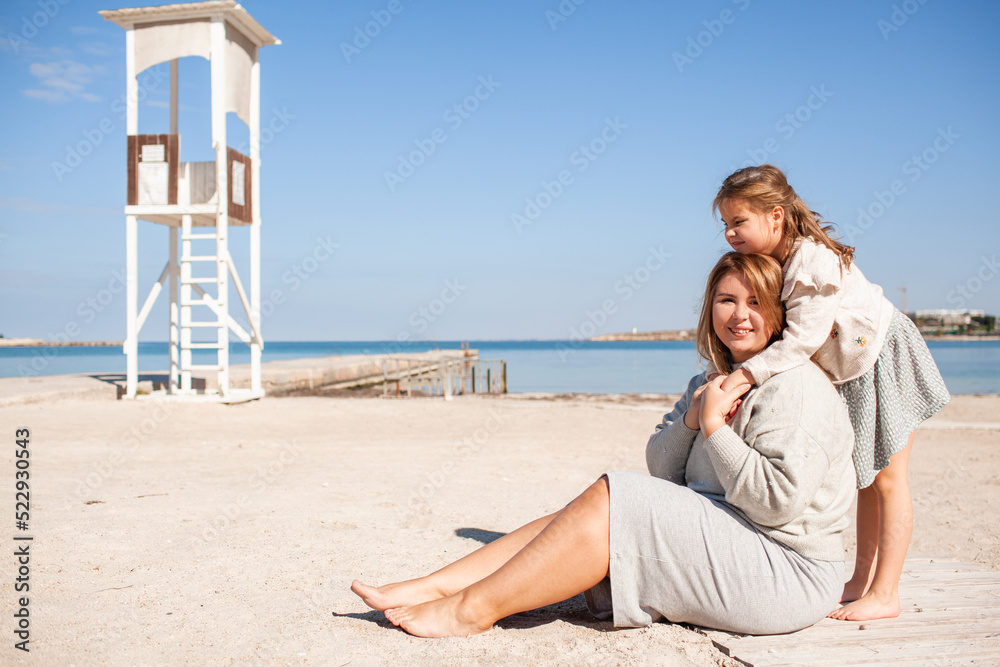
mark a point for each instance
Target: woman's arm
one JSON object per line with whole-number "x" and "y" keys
{"x": 668, "y": 448}
{"x": 773, "y": 472}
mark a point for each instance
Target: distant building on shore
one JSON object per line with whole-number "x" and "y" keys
{"x": 943, "y": 321}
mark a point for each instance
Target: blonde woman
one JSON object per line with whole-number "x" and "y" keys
{"x": 738, "y": 527}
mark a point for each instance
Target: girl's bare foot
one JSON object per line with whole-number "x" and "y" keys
{"x": 867, "y": 608}
{"x": 853, "y": 590}
{"x": 406, "y": 593}
{"x": 446, "y": 617}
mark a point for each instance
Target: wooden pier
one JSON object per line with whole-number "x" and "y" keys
{"x": 950, "y": 616}
{"x": 446, "y": 376}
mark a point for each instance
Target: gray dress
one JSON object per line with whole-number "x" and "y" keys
{"x": 890, "y": 401}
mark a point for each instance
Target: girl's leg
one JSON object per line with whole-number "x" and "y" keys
{"x": 454, "y": 577}
{"x": 895, "y": 527}
{"x": 567, "y": 557}
{"x": 867, "y": 548}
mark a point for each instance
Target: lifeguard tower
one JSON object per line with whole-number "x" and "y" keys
{"x": 201, "y": 200}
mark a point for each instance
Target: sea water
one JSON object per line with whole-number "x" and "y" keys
{"x": 627, "y": 367}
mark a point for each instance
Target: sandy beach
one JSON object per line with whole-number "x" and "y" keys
{"x": 179, "y": 533}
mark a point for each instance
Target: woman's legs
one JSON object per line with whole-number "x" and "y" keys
{"x": 454, "y": 577}
{"x": 568, "y": 556}
{"x": 893, "y": 512}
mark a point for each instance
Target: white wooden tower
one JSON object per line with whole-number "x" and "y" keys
{"x": 198, "y": 201}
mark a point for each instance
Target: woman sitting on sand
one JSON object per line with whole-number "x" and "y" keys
{"x": 739, "y": 528}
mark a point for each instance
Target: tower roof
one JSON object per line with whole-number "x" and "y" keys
{"x": 230, "y": 10}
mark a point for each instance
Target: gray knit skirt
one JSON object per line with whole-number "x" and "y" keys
{"x": 888, "y": 402}
{"x": 688, "y": 558}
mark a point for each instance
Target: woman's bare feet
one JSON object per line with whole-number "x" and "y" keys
{"x": 867, "y": 608}
{"x": 406, "y": 593}
{"x": 446, "y": 617}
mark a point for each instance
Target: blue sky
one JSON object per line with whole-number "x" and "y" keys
{"x": 400, "y": 179}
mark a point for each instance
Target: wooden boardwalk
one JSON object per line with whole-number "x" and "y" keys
{"x": 951, "y": 616}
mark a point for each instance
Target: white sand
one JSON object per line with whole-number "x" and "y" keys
{"x": 186, "y": 533}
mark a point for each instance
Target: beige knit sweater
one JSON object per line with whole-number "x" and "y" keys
{"x": 834, "y": 315}
{"x": 784, "y": 461}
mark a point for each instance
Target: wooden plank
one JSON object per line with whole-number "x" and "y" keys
{"x": 852, "y": 650}
{"x": 985, "y": 619}
{"x": 762, "y": 652}
{"x": 827, "y": 635}
{"x": 960, "y": 580}
{"x": 949, "y": 578}
{"x": 916, "y": 633}
{"x": 937, "y": 655}
{"x": 951, "y": 615}
{"x": 173, "y": 143}
{"x": 984, "y": 656}
{"x": 925, "y": 619}
{"x": 924, "y": 558}
{"x": 242, "y": 213}
{"x": 947, "y": 566}
{"x": 171, "y": 149}
{"x": 931, "y": 601}
{"x": 985, "y": 626}
{"x": 133, "y": 179}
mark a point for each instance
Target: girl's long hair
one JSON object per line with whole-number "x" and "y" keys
{"x": 765, "y": 278}
{"x": 765, "y": 187}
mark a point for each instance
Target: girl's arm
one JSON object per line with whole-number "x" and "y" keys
{"x": 668, "y": 448}
{"x": 812, "y": 296}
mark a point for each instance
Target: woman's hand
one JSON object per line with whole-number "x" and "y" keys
{"x": 691, "y": 419}
{"x": 718, "y": 405}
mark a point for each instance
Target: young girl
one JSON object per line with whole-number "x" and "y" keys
{"x": 872, "y": 352}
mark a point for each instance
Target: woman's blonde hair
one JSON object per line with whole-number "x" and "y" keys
{"x": 765, "y": 278}
{"x": 764, "y": 188}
